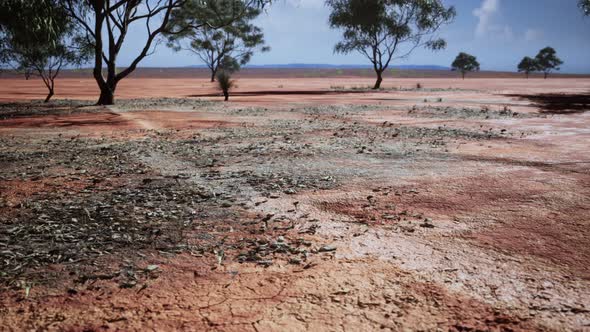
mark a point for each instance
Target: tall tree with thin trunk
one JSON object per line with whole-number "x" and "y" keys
{"x": 527, "y": 65}
{"x": 465, "y": 63}
{"x": 43, "y": 49}
{"x": 384, "y": 30}
{"x": 107, "y": 23}
{"x": 236, "y": 38}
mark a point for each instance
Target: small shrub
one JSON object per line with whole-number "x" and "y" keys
{"x": 225, "y": 83}
{"x": 418, "y": 86}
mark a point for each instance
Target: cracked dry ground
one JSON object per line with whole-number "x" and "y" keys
{"x": 188, "y": 215}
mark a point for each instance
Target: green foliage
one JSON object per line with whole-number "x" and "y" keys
{"x": 44, "y": 47}
{"x": 225, "y": 82}
{"x": 383, "y": 30}
{"x": 584, "y": 6}
{"x": 107, "y": 22}
{"x": 547, "y": 60}
{"x": 528, "y": 65}
{"x": 465, "y": 63}
{"x": 222, "y": 35}
{"x": 40, "y": 21}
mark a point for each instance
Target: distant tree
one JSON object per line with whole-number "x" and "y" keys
{"x": 382, "y": 29}
{"x": 585, "y": 6}
{"x": 527, "y": 65}
{"x": 44, "y": 49}
{"x": 28, "y": 72}
{"x": 548, "y": 61}
{"x": 465, "y": 63}
{"x": 107, "y": 23}
{"x": 222, "y": 35}
{"x": 225, "y": 82}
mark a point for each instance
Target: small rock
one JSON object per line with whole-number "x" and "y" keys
{"x": 327, "y": 249}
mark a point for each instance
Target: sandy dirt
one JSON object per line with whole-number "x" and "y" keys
{"x": 302, "y": 204}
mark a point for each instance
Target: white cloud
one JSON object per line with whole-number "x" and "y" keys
{"x": 486, "y": 26}
{"x": 485, "y": 14}
{"x": 533, "y": 34}
{"x": 311, "y": 4}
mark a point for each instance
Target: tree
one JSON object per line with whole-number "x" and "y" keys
{"x": 527, "y": 65}
{"x": 547, "y": 60}
{"x": 42, "y": 49}
{"x": 585, "y": 6}
{"x": 384, "y": 30}
{"x": 465, "y": 63}
{"x": 107, "y": 22}
{"x": 237, "y": 41}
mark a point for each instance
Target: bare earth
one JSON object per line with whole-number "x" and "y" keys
{"x": 302, "y": 204}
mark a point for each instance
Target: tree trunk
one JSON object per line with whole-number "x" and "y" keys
{"x": 378, "y": 82}
{"x": 107, "y": 96}
{"x": 108, "y": 87}
{"x": 213, "y": 73}
{"x": 463, "y": 74}
{"x": 49, "y": 95}
{"x": 546, "y": 74}
{"x": 226, "y": 95}
{"x": 527, "y": 75}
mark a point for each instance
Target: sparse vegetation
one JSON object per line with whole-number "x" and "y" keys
{"x": 295, "y": 207}
{"x": 107, "y": 23}
{"x": 465, "y": 63}
{"x": 218, "y": 32}
{"x": 547, "y": 61}
{"x": 43, "y": 51}
{"x": 528, "y": 65}
{"x": 378, "y": 29}
{"x": 225, "y": 83}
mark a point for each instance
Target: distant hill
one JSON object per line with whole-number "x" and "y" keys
{"x": 329, "y": 66}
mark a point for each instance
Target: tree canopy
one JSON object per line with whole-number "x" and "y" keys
{"x": 548, "y": 61}
{"x": 384, "y": 30}
{"x": 465, "y": 63}
{"x": 224, "y": 37}
{"x": 42, "y": 48}
{"x": 585, "y": 6}
{"x": 107, "y": 22}
{"x": 528, "y": 65}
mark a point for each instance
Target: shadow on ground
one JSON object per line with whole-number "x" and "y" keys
{"x": 36, "y": 107}
{"x": 557, "y": 103}
{"x": 284, "y": 93}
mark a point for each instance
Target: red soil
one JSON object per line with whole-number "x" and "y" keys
{"x": 520, "y": 199}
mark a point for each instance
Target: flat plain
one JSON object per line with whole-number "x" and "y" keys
{"x": 307, "y": 202}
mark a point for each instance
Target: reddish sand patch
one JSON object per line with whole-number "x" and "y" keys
{"x": 522, "y": 199}
{"x": 107, "y": 122}
{"x": 14, "y": 192}
{"x": 363, "y": 294}
{"x": 293, "y": 90}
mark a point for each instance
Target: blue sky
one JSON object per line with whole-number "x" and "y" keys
{"x": 498, "y": 32}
